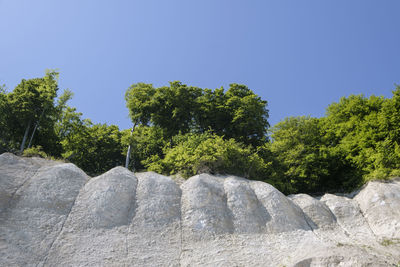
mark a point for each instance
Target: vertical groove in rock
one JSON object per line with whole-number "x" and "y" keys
{"x": 181, "y": 231}
{"x": 379, "y": 202}
{"x": 349, "y": 217}
{"x": 367, "y": 221}
{"x": 96, "y": 229}
{"x": 205, "y": 213}
{"x": 38, "y": 215}
{"x": 318, "y": 216}
{"x": 284, "y": 214}
{"x": 23, "y": 168}
{"x": 154, "y": 234}
{"x": 44, "y": 260}
{"x": 19, "y": 187}
{"x": 132, "y": 214}
{"x": 248, "y": 214}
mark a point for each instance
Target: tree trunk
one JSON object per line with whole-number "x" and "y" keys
{"x": 128, "y": 154}
{"x": 34, "y": 129}
{"x": 25, "y": 137}
{"x": 33, "y": 133}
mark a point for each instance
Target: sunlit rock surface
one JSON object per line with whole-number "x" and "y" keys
{"x": 53, "y": 214}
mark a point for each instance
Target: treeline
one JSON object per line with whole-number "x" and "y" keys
{"x": 180, "y": 129}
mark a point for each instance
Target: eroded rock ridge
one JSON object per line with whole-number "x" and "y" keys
{"x": 53, "y": 214}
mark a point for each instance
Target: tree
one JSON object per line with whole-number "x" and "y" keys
{"x": 305, "y": 162}
{"x": 249, "y": 116}
{"x": 212, "y": 112}
{"x": 238, "y": 114}
{"x": 386, "y": 156}
{"x": 68, "y": 120}
{"x": 174, "y": 108}
{"x": 95, "y": 148}
{"x": 139, "y": 101}
{"x": 178, "y": 108}
{"x": 30, "y": 101}
{"x": 353, "y": 126}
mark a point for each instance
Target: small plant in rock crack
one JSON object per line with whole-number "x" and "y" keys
{"x": 388, "y": 242}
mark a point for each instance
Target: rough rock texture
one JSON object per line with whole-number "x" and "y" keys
{"x": 380, "y": 204}
{"x": 53, "y": 214}
{"x": 37, "y": 203}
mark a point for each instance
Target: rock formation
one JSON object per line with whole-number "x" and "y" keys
{"x": 53, "y": 214}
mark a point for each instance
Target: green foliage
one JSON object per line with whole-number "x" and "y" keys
{"x": 305, "y": 162}
{"x": 146, "y": 142}
{"x": 174, "y": 108}
{"x": 33, "y": 96}
{"x": 296, "y": 149}
{"x": 356, "y": 141}
{"x": 5, "y": 113}
{"x": 352, "y": 125}
{"x": 69, "y": 123}
{"x": 188, "y": 130}
{"x": 139, "y": 101}
{"x": 35, "y": 151}
{"x": 29, "y": 111}
{"x": 249, "y": 115}
{"x": 32, "y": 115}
{"x": 207, "y": 152}
{"x": 95, "y": 148}
{"x": 366, "y": 131}
{"x": 212, "y": 112}
{"x": 178, "y": 108}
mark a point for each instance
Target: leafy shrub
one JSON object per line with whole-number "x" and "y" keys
{"x": 35, "y": 151}
{"x": 209, "y": 153}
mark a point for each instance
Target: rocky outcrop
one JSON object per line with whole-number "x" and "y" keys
{"x": 35, "y": 206}
{"x": 53, "y": 214}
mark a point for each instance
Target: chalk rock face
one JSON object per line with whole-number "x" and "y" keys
{"x": 317, "y": 213}
{"x": 53, "y": 214}
{"x": 285, "y": 216}
{"x": 41, "y": 199}
{"x": 380, "y": 204}
{"x": 14, "y": 172}
{"x": 154, "y": 236}
{"x": 350, "y": 218}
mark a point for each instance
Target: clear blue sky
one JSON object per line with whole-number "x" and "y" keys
{"x": 300, "y": 56}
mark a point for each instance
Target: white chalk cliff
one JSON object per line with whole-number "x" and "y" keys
{"x": 53, "y": 214}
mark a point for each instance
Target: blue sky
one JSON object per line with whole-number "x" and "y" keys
{"x": 300, "y": 56}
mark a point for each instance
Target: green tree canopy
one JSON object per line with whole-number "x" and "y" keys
{"x": 305, "y": 162}
{"x": 95, "y": 148}
{"x": 354, "y": 126}
{"x": 139, "y": 101}
{"x": 30, "y": 108}
{"x": 174, "y": 108}
{"x": 237, "y": 113}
